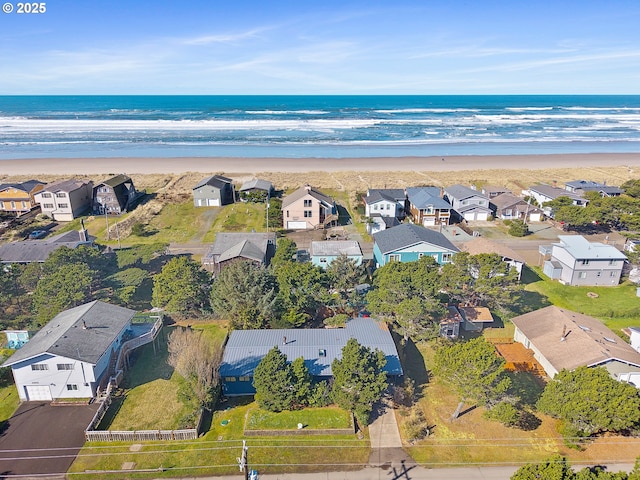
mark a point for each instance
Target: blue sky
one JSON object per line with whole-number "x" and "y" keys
{"x": 322, "y": 47}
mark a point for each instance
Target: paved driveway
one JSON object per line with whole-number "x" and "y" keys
{"x": 42, "y": 438}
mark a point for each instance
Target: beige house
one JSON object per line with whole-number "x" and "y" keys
{"x": 562, "y": 339}
{"x": 66, "y": 199}
{"x": 308, "y": 208}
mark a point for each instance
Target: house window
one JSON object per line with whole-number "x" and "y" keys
{"x": 2, "y": 205}
{"x": 308, "y": 213}
{"x": 244, "y": 379}
{"x": 446, "y": 258}
{"x": 584, "y": 262}
{"x": 307, "y": 203}
{"x": 394, "y": 257}
{"x": 429, "y": 209}
{"x": 613, "y": 274}
{"x": 61, "y": 195}
{"x": 464, "y": 202}
{"x": 582, "y": 275}
{"x": 47, "y": 205}
{"x": 24, "y": 204}
{"x": 63, "y": 205}
{"x": 65, "y": 366}
{"x": 46, "y": 195}
{"x": 72, "y": 386}
{"x": 598, "y": 274}
{"x": 420, "y": 255}
{"x": 375, "y": 207}
{"x": 612, "y": 262}
{"x": 287, "y": 213}
{"x": 229, "y": 379}
{"x": 388, "y": 206}
{"x": 323, "y": 260}
{"x": 13, "y": 204}
{"x": 39, "y": 366}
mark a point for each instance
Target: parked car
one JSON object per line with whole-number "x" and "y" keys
{"x": 37, "y": 234}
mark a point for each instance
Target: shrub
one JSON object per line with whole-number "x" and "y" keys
{"x": 415, "y": 425}
{"x": 505, "y": 413}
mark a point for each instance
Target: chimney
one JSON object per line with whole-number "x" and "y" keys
{"x": 564, "y": 333}
{"x": 84, "y": 325}
{"x": 307, "y": 187}
{"x": 284, "y": 340}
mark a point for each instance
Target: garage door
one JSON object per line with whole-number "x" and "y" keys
{"x": 213, "y": 202}
{"x": 38, "y": 392}
{"x": 470, "y": 216}
{"x": 429, "y": 222}
{"x": 296, "y": 225}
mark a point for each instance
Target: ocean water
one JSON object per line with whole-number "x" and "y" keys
{"x": 315, "y": 126}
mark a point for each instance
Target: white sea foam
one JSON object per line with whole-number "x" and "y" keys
{"x": 527, "y": 109}
{"x": 427, "y": 110}
{"x": 286, "y": 112}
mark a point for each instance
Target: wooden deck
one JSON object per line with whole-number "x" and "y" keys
{"x": 519, "y": 358}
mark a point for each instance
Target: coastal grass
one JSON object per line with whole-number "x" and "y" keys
{"x": 238, "y": 217}
{"x": 9, "y": 402}
{"x": 310, "y": 418}
{"x": 474, "y": 440}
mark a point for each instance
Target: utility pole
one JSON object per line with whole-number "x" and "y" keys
{"x": 268, "y": 204}
{"x": 242, "y": 461}
{"x": 106, "y": 218}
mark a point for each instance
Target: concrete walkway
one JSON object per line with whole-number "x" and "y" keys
{"x": 386, "y": 444}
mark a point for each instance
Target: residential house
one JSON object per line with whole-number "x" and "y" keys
{"x": 257, "y": 248}
{"x": 479, "y": 245}
{"x": 546, "y": 193}
{"x": 581, "y": 186}
{"x": 318, "y": 346}
{"x": 563, "y": 339}
{"x": 507, "y": 206}
{"x": 72, "y": 354}
{"x": 19, "y": 198}
{"x": 16, "y": 338}
{"x": 475, "y": 319}
{"x": 576, "y": 261}
{"x": 257, "y": 188}
{"x": 323, "y": 253}
{"x": 408, "y": 243}
{"x": 114, "y": 196}
{"x": 634, "y": 337}
{"x": 492, "y": 191}
{"x": 66, "y": 199}
{"x": 377, "y": 223}
{"x": 386, "y": 202}
{"x": 30, "y": 251}
{"x": 450, "y": 323}
{"x": 214, "y": 191}
{"x": 308, "y": 208}
{"x": 469, "y": 204}
{"x": 426, "y": 206}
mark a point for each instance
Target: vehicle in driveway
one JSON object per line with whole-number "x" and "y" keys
{"x": 36, "y": 234}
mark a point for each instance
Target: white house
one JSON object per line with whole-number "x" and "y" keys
{"x": 386, "y": 202}
{"x": 65, "y": 200}
{"x": 634, "y": 338}
{"x": 70, "y": 355}
{"x": 470, "y": 204}
{"x": 576, "y": 261}
{"x": 562, "y": 339}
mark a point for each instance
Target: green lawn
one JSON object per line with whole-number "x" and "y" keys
{"x": 9, "y": 401}
{"x": 239, "y": 217}
{"x": 617, "y": 306}
{"x": 312, "y": 418}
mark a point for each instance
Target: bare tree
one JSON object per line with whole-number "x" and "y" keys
{"x": 197, "y": 359}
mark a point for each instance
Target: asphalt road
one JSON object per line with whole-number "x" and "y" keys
{"x": 42, "y": 438}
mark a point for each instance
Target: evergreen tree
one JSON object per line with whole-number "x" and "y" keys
{"x": 181, "y": 287}
{"x": 274, "y": 382}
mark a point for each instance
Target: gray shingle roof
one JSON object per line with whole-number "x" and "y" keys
{"x": 29, "y": 251}
{"x": 240, "y": 244}
{"x": 421, "y": 197}
{"x": 65, "y": 186}
{"x": 257, "y": 184}
{"x": 117, "y": 180}
{"x": 555, "y": 192}
{"x": 336, "y": 247}
{"x": 246, "y": 348}
{"x": 217, "y": 181}
{"x": 402, "y": 236}
{"x": 66, "y": 337}
{"x": 24, "y": 186}
{"x": 460, "y": 192}
{"x": 389, "y": 194}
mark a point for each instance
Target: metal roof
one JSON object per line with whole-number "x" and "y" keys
{"x": 116, "y": 180}
{"x": 336, "y": 247}
{"x": 580, "y": 248}
{"x": 66, "y": 336}
{"x": 246, "y": 348}
{"x": 29, "y": 251}
{"x": 555, "y": 192}
{"x": 406, "y": 235}
{"x": 460, "y": 192}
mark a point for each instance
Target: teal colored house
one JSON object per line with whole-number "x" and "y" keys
{"x": 323, "y": 253}
{"x": 409, "y": 243}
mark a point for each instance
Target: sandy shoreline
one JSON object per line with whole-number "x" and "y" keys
{"x": 94, "y": 166}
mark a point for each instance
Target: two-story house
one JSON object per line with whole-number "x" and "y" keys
{"x": 426, "y": 206}
{"x": 546, "y": 193}
{"x": 387, "y": 202}
{"x": 576, "y": 261}
{"x": 66, "y": 199}
{"x": 214, "y": 191}
{"x": 114, "y": 195}
{"x": 18, "y": 198}
{"x": 308, "y": 208}
{"x": 468, "y": 203}
{"x": 579, "y": 187}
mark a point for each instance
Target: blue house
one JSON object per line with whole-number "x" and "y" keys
{"x": 323, "y": 253}
{"x": 318, "y": 346}
{"x": 408, "y": 243}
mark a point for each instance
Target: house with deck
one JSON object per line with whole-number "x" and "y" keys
{"x": 114, "y": 195}
{"x": 77, "y": 352}
{"x": 66, "y": 199}
{"x": 229, "y": 247}
{"x": 325, "y": 252}
{"x": 256, "y": 189}
{"x": 386, "y": 202}
{"x": 563, "y": 339}
{"x": 19, "y": 198}
{"x": 308, "y": 208}
{"x": 470, "y": 204}
{"x": 427, "y": 208}
{"x": 580, "y": 187}
{"x": 409, "y": 243}
{"x": 318, "y": 346}
{"x": 577, "y": 261}
{"x": 214, "y": 191}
